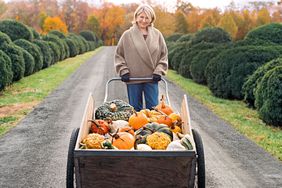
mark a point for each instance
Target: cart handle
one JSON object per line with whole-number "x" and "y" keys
{"x": 136, "y": 79}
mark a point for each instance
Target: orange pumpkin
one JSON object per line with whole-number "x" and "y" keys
{"x": 164, "y": 119}
{"x": 176, "y": 119}
{"x": 128, "y": 130}
{"x": 99, "y": 126}
{"x": 137, "y": 120}
{"x": 123, "y": 140}
{"x": 163, "y": 107}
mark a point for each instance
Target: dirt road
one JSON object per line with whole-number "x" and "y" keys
{"x": 34, "y": 153}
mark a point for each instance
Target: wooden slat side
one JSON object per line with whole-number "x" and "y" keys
{"x": 185, "y": 115}
{"x": 137, "y": 172}
{"x": 85, "y": 124}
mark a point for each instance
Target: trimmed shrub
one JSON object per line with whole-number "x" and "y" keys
{"x": 269, "y": 97}
{"x": 173, "y": 50}
{"x": 84, "y": 42}
{"x": 67, "y": 50}
{"x": 55, "y": 52}
{"x": 270, "y": 32}
{"x": 15, "y": 30}
{"x": 227, "y": 72}
{"x": 4, "y": 39}
{"x": 57, "y": 33}
{"x": 6, "y": 73}
{"x": 34, "y": 33}
{"x": 211, "y": 35}
{"x": 72, "y": 47}
{"x": 185, "y": 38}
{"x": 253, "y": 42}
{"x": 78, "y": 42}
{"x": 189, "y": 54}
{"x": 88, "y": 35}
{"x": 16, "y": 55}
{"x": 174, "y": 37}
{"x": 34, "y": 50}
{"x": 199, "y": 63}
{"x": 29, "y": 63}
{"x": 252, "y": 81}
{"x": 92, "y": 45}
{"x": 176, "y": 59}
{"x": 46, "y": 51}
{"x": 58, "y": 41}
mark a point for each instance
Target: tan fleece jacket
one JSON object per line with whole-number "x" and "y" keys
{"x": 140, "y": 57}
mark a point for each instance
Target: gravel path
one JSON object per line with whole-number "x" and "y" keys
{"x": 34, "y": 153}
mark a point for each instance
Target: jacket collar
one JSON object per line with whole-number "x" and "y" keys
{"x": 144, "y": 47}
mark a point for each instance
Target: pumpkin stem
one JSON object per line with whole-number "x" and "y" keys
{"x": 161, "y": 112}
{"x": 163, "y": 102}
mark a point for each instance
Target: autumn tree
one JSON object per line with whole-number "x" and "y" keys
{"x": 111, "y": 17}
{"x": 165, "y": 21}
{"x": 181, "y": 25}
{"x": 92, "y": 24}
{"x": 263, "y": 17}
{"x": 210, "y": 18}
{"x": 54, "y": 23}
{"x": 228, "y": 24}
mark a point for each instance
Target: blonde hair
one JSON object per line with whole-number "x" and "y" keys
{"x": 148, "y": 10}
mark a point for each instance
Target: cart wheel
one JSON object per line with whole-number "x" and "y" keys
{"x": 70, "y": 162}
{"x": 201, "y": 172}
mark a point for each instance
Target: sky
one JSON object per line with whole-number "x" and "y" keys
{"x": 170, "y": 4}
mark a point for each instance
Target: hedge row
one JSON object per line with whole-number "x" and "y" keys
{"x": 23, "y": 51}
{"x": 234, "y": 70}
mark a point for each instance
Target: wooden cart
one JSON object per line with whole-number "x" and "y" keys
{"x": 133, "y": 168}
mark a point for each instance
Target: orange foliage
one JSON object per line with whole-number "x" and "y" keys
{"x": 54, "y": 23}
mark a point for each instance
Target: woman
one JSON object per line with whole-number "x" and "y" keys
{"x": 141, "y": 52}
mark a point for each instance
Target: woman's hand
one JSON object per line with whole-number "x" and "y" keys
{"x": 125, "y": 77}
{"x": 156, "y": 77}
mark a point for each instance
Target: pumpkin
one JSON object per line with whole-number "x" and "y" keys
{"x": 143, "y": 147}
{"x": 118, "y": 124}
{"x": 158, "y": 140}
{"x": 186, "y": 141}
{"x": 149, "y": 129}
{"x": 176, "y": 119}
{"x": 93, "y": 141}
{"x": 128, "y": 130}
{"x": 99, "y": 126}
{"x": 164, "y": 119}
{"x": 151, "y": 115}
{"x": 175, "y": 145}
{"x": 163, "y": 107}
{"x": 137, "y": 120}
{"x": 175, "y": 128}
{"x": 114, "y": 110}
{"x": 123, "y": 140}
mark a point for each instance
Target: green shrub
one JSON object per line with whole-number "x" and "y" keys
{"x": 252, "y": 81}
{"x": 189, "y": 54}
{"x": 174, "y": 37}
{"x": 270, "y": 32}
{"x": 77, "y": 40}
{"x": 6, "y": 73}
{"x": 199, "y": 63}
{"x": 56, "y": 53}
{"x": 72, "y": 47}
{"x": 57, "y": 33}
{"x": 211, "y": 35}
{"x": 185, "y": 38}
{"x": 88, "y": 35}
{"x": 67, "y": 50}
{"x": 173, "y": 51}
{"x": 58, "y": 41}
{"x": 34, "y": 33}
{"x": 253, "y": 42}
{"x": 16, "y": 55}
{"x": 227, "y": 72}
{"x": 84, "y": 42}
{"x": 92, "y": 45}
{"x": 15, "y": 30}
{"x": 176, "y": 59}
{"x": 46, "y": 51}
{"x": 34, "y": 50}
{"x": 29, "y": 63}
{"x": 4, "y": 39}
{"x": 269, "y": 97}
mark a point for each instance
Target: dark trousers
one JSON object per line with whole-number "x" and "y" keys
{"x": 151, "y": 94}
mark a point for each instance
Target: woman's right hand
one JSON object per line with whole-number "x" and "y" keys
{"x": 125, "y": 77}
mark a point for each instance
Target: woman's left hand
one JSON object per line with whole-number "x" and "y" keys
{"x": 156, "y": 77}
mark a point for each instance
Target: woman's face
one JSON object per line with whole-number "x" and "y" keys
{"x": 143, "y": 20}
